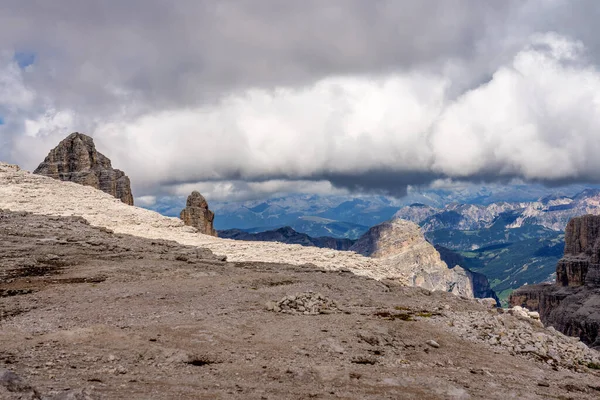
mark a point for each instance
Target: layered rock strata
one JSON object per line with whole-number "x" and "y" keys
{"x": 572, "y": 304}
{"x": 197, "y": 214}
{"x": 76, "y": 159}
{"x": 401, "y": 246}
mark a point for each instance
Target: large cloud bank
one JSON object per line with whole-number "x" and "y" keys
{"x": 246, "y": 101}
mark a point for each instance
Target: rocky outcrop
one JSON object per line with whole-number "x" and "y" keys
{"x": 401, "y": 246}
{"x": 76, "y": 159}
{"x": 197, "y": 214}
{"x": 572, "y": 304}
{"x": 289, "y": 236}
{"x": 481, "y": 285}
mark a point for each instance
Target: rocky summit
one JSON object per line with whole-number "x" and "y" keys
{"x": 572, "y": 304}
{"x": 76, "y": 159}
{"x": 197, "y": 214}
{"x": 401, "y": 246}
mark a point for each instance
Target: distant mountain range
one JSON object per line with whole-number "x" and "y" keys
{"x": 511, "y": 243}
{"x": 511, "y": 233}
{"x": 289, "y": 236}
{"x": 351, "y": 216}
{"x": 314, "y": 215}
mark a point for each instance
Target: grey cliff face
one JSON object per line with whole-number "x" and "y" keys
{"x": 572, "y": 304}
{"x": 197, "y": 214}
{"x": 402, "y": 247}
{"x": 76, "y": 159}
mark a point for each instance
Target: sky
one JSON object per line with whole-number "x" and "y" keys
{"x": 243, "y": 99}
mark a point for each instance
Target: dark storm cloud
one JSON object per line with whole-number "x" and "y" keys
{"x": 167, "y": 54}
{"x": 390, "y": 183}
{"x": 259, "y": 97}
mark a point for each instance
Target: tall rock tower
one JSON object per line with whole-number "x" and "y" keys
{"x": 76, "y": 159}
{"x": 572, "y": 303}
{"x": 197, "y": 214}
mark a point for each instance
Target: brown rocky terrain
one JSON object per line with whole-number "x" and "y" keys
{"x": 76, "y": 159}
{"x": 572, "y": 304}
{"x": 197, "y": 214}
{"x": 91, "y": 314}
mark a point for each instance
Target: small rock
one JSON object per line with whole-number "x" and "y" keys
{"x": 533, "y": 314}
{"x": 433, "y": 344}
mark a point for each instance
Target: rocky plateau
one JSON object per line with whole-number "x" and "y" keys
{"x": 101, "y": 300}
{"x": 87, "y": 313}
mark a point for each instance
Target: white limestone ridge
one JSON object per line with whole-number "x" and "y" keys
{"x": 23, "y": 191}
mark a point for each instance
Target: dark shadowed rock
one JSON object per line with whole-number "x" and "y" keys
{"x": 572, "y": 304}
{"x": 12, "y": 386}
{"x": 76, "y": 159}
{"x": 197, "y": 214}
{"x": 481, "y": 285}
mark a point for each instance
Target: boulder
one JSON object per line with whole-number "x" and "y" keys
{"x": 76, "y": 159}
{"x": 197, "y": 214}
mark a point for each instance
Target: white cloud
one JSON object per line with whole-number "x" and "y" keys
{"x": 536, "y": 119}
{"x": 251, "y": 113}
{"x": 241, "y": 190}
{"x": 145, "y": 201}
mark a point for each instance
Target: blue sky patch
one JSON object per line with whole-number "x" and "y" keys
{"x": 1, "y": 120}
{"x": 24, "y": 58}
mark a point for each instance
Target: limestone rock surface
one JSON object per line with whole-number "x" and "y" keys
{"x": 160, "y": 320}
{"x": 76, "y": 159}
{"x": 197, "y": 214}
{"x": 401, "y": 246}
{"x": 572, "y": 304}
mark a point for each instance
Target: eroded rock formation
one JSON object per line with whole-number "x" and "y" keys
{"x": 197, "y": 214}
{"x": 402, "y": 247}
{"x": 76, "y": 159}
{"x": 572, "y": 304}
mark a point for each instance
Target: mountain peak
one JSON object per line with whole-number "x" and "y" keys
{"x": 76, "y": 159}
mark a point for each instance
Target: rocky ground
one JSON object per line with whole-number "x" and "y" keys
{"x": 23, "y": 191}
{"x": 90, "y": 314}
